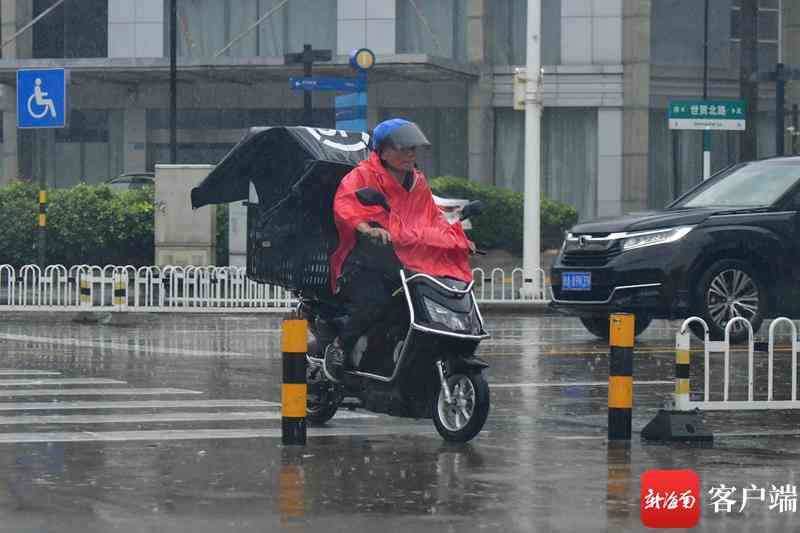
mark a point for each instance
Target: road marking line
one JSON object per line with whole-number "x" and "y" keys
{"x": 776, "y": 433}
{"x": 575, "y": 384}
{"x": 203, "y": 434}
{"x": 59, "y": 381}
{"x": 125, "y": 404}
{"x": 12, "y": 372}
{"x": 579, "y": 437}
{"x": 93, "y": 392}
{"x": 226, "y": 331}
{"x": 153, "y": 418}
{"x": 68, "y": 341}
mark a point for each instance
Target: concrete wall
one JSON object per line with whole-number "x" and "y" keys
{"x": 589, "y": 32}
{"x": 636, "y": 110}
{"x": 135, "y": 28}
{"x": 14, "y": 15}
{"x": 366, "y": 23}
{"x": 183, "y": 236}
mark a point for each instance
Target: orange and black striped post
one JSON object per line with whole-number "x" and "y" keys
{"x": 620, "y": 376}
{"x": 293, "y": 390}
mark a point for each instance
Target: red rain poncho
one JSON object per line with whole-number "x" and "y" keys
{"x": 423, "y": 240}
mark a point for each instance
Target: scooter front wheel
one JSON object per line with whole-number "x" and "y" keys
{"x": 322, "y": 400}
{"x": 462, "y": 416}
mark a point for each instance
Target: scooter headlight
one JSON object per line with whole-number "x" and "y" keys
{"x": 442, "y": 315}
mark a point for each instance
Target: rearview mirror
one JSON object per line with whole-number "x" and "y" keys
{"x": 369, "y": 196}
{"x": 472, "y": 209}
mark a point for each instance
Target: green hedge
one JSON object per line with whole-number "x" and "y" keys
{"x": 500, "y": 225}
{"x": 90, "y": 224}
{"x": 85, "y": 225}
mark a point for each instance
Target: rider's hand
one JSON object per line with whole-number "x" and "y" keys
{"x": 379, "y": 234}
{"x": 472, "y": 247}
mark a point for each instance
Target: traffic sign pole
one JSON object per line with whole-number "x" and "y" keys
{"x": 706, "y": 154}
{"x": 780, "y": 102}
{"x": 41, "y": 103}
{"x": 307, "y": 58}
{"x": 307, "y": 103}
{"x": 706, "y": 133}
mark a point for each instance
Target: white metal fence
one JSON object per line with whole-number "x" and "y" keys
{"x": 682, "y": 400}
{"x": 192, "y": 289}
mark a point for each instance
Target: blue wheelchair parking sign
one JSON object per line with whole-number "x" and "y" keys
{"x": 41, "y": 98}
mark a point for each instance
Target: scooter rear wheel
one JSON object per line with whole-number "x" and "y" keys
{"x": 460, "y": 419}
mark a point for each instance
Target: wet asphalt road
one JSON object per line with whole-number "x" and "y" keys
{"x": 191, "y": 441}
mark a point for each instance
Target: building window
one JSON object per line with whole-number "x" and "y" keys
{"x": 508, "y": 21}
{"x": 769, "y": 20}
{"x": 206, "y": 26}
{"x": 219, "y": 129}
{"x": 76, "y": 28}
{"x": 433, "y": 27}
{"x": 90, "y": 149}
{"x": 569, "y": 155}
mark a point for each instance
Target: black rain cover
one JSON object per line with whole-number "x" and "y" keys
{"x": 274, "y": 159}
{"x": 295, "y": 171}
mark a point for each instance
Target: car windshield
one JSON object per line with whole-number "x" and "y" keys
{"x": 754, "y": 184}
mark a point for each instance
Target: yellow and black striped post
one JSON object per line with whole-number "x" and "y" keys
{"x": 42, "y": 228}
{"x": 120, "y": 289}
{"x": 85, "y": 289}
{"x": 293, "y": 389}
{"x": 620, "y": 376}
{"x": 682, "y": 348}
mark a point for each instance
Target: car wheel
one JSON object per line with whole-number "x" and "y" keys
{"x": 731, "y": 288}
{"x": 599, "y": 326}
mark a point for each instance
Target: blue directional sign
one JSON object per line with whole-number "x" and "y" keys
{"x": 351, "y": 112}
{"x": 317, "y": 83}
{"x": 41, "y": 98}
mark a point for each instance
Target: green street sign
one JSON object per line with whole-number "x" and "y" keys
{"x": 706, "y": 115}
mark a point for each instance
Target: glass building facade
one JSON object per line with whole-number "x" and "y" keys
{"x": 436, "y": 59}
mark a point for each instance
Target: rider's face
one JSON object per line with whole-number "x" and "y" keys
{"x": 400, "y": 159}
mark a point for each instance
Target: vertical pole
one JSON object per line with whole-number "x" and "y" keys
{"x": 682, "y": 346}
{"x": 42, "y": 223}
{"x": 706, "y": 133}
{"x": 780, "y": 103}
{"x": 533, "y": 122}
{"x": 796, "y": 124}
{"x": 173, "y": 82}
{"x": 308, "y": 61}
{"x": 748, "y": 68}
{"x": 620, "y": 376}
{"x": 294, "y": 388}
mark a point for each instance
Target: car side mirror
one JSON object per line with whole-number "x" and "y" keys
{"x": 472, "y": 209}
{"x": 369, "y": 196}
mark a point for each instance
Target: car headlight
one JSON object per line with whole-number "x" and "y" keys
{"x": 653, "y": 237}
{"x": 442, "y": 315}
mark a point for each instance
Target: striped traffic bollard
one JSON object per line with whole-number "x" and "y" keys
{"x": 620, "y": 377}
{"x": 85, "y": 290}
{"x": 682, "y": 348}
{"x": 293, "y": 389}
{"x": 120, "y": 289}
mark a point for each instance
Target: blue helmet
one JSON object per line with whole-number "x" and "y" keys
{"x": 397, "y": 133}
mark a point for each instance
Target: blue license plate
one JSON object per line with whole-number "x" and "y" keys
{"x": 576, "y": 281}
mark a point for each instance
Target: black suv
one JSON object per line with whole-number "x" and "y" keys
{"x": 729, "y": 247}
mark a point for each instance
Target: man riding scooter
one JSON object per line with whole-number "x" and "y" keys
{"x": 375, "y": 242}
